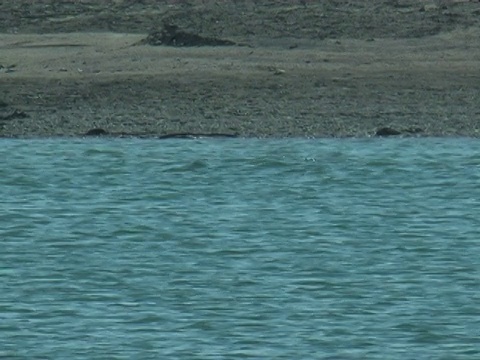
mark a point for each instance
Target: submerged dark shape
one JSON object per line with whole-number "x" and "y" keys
{"x": 171, "y": 35}
{"x": 415, "y": 130}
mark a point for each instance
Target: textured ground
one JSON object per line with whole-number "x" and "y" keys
{"x": 339, "y": 68}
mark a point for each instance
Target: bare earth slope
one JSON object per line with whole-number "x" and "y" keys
{"x": 338, "y": 68}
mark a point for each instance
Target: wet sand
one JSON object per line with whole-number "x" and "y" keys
{"x": 65, "y": 82}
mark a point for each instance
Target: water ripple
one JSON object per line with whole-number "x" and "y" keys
{"x": 206, "y": 249}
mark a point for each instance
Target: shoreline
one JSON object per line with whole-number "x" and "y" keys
{"x": 67, "y": 84}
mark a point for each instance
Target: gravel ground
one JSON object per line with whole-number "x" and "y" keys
{"x": 339, "y": 68}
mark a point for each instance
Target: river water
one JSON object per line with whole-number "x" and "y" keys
{"x": 240, "y": 249}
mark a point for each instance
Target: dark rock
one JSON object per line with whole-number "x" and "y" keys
{"x": 8, "y": 68}
{"x": 171, "y": 35}
{"x": 387, "y": 131}
{"x": 15, "y": 114}
{"x": 96, "y": 132}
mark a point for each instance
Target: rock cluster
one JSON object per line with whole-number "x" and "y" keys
{"x": 171, "y": 35}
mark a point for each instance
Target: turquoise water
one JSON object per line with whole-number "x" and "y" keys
{"x": 240, "y": 249}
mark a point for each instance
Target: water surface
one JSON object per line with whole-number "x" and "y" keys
{"x": 240, "y": 249}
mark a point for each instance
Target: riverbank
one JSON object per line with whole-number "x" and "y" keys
{"x": 68, "y": 83}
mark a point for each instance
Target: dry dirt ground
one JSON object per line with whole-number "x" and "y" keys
{"x": 301, "y": 68}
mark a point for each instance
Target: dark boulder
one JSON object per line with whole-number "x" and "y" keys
{"x": 96, "y": 132}
{"x": 387, "y": 131}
